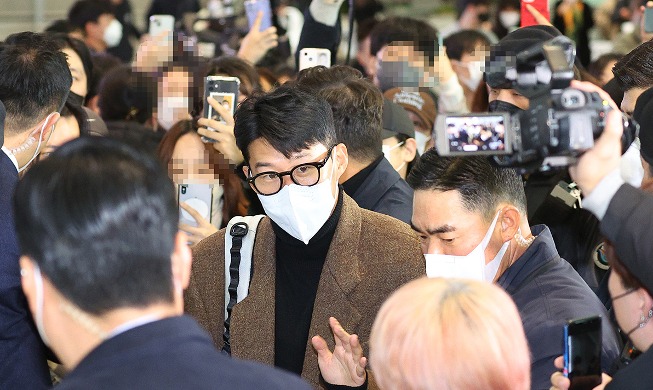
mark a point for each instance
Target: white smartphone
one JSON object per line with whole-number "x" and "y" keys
{"x": 161, "y": 23}
{"x": 310, "y": 57}
{"x": 197, "y": 196}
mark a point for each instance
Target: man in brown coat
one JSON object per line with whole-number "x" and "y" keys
{"x": 319, "y": 260}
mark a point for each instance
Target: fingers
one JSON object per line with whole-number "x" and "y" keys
{"x": 321, "y": 347}
{"x": 257, "y": 22}
{"x": 559, "y": 382}
{"x": 559, "y": 363}
{"x": 224, "y": 113}
{"x": 193, "y": 213}
{"x": 611, "y": 137}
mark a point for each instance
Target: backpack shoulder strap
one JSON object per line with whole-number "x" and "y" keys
{"x": 238, "y": 266}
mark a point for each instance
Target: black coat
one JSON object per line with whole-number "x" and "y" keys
{"x": 22, "y": 354}
{"x": 637, "y": 375}
{"x": 548, "y": 292}
{"x": 173, "y": 353}
{"x": 385, "y": 192}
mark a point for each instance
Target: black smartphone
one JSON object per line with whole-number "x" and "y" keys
{"x": 223, "y": 89}
{"x": 583, "y": 352}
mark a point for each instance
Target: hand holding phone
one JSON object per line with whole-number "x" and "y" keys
{"x": 582, "y": 357}
{"x": 252, "y": 9}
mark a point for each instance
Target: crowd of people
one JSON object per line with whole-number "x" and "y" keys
{"x": 317, "y": 237}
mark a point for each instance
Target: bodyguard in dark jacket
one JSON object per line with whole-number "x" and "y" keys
{"x": 357, "y": 107}
{"x": 471, "y": 218}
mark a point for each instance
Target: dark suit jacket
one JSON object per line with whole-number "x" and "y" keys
{"x": 636, "y": 375}
{"x": 22, "y": 354}
{"x": 370, "y": 256}
{"x": 173, "y": 353}
{"x": 385, "y": 192}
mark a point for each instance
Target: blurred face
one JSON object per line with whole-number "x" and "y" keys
{"x": 399, "y": 154}
{"x": 77, "y": 70}
{"x": 445, "y": 226}
{"x": 96, "y": 30}
{"x": 509, "y": 96}
{"x": 190, "y": 161}
{"x": 627, "y": 308}
{"x": 419, "y": 124}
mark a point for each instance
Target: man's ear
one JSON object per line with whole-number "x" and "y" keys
{"x": 181, "y": 260}
{"x": 49, "y": 127}
{"x": 509, "y": 222}
{"x": 341, "y": 158}
{"x": 409, "y": 150}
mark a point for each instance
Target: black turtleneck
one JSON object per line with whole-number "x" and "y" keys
{"x": 299, "y": 267}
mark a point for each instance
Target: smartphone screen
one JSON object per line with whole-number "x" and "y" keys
{"x": 527, "y": 18}
{"x": 252, "y": 7}
{"x": 583, "y": 353}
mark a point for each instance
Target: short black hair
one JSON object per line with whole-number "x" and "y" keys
{"x": 85, "y": 11}
{"x": 356, "y": 104}
{"x": 34, "y": 81}
{"x": 80, "y": 48}
{"x": 481, "y": 185}
{"x": 100, "y": 219}
{"x": 464, "y": 42}
{"x": 635, "y": 69}
{"x": 289, "y": 119}
{"x": 401, "y": 29}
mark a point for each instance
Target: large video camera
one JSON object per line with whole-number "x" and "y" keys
{"x": 561, "y": 123}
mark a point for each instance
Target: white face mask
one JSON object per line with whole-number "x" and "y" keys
{"x": 471, "y": 266}
{"x": 27, "y": 144}
{"x": 421, "y": 141}
{"x": 475, "y": 75}
{"x": 113, "y": 33}
{"x": 509, "y": 19}
{"x": 171, "y": 110}
{"x": 38, "y": 316}
{"x": 386, "y": 153}
{"x": 301, "y": 211}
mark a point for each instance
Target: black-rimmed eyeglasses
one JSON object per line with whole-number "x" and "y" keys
{"x": 307, "y": 174}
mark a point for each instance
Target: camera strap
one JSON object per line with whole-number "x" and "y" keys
{"x": 238, "y": 266}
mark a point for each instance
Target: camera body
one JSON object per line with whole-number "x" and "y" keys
{"x": 560, "y": 124}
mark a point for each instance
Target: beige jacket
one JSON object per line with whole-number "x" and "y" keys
{"x": 370, "y": 256}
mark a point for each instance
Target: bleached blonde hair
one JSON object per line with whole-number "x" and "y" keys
{"x": 449, "y": 334}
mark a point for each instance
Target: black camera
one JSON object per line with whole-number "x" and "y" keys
{"x": 560, "y": 124}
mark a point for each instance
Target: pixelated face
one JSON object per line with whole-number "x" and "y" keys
{"x": 175, "y": 83}
{"x": 445, "y": 226}
{"x": 400, "y": 52}
{"x": 77, "y": 70}
{"x": 190, "y": 161}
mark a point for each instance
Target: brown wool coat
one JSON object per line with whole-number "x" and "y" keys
{"x": 371, "y": 255}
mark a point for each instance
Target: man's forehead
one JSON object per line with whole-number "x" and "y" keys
{"x": 262, "y": 153}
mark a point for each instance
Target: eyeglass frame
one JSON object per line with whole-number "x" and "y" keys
{"x": 317, "y": 164}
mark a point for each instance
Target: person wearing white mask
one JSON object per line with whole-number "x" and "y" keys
{"x": 322, "y": 264}
{"x": 103, "y": 267}
{"x": 29, "y": 62}
{"x": 98, "y": 24}
{"x": 467, "y": 50}
{"x": 173, "y": 95}
{"x": 471, "y": 219}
